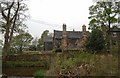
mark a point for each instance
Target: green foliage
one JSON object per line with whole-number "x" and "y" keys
{"x": 68, "y": 63}
{"x": 85, "y": 57}
{"x": 96, "y": 41}
{"x": 103, "y": 14}
{"x": 39, "y": 74}
{"x": 44, "y": 34}
{"x": 41, "y": 40}
{"x": 32, "y": 48}
{"x": 21, "y": 42}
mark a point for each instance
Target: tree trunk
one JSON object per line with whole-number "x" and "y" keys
{"x": 109, "y": 34}
{"x": 21, "y": 49}
{"x": 6, "y": 47}
{"x": 9, "y": 34}
{"x": 118, "y": 54}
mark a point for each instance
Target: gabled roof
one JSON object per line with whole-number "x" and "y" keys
{"x": 70, "y": 34}
{"x": 74, "y": 34}
{"x": 57, "y": 34}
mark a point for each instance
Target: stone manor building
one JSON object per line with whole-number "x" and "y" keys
{"x": 66, "y": 40}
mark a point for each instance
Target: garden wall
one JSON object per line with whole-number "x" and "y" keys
{"x": 32, "y": 57}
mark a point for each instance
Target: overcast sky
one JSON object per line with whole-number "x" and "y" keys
{"x": 51, "y": 14}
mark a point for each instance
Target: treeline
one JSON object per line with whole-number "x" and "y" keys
{"x": 103, "y": 20}
{"x": 25, "y": 42}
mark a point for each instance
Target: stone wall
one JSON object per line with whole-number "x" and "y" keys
{"x": 32, "y": 57}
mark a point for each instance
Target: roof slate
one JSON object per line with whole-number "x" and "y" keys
{"x": 74, "y": 34}
{"x": 70, "y": 34}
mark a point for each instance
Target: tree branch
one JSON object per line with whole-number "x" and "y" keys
{"x": 2, "y": 11}
{"x": 9, "y": 10}
{"x": 15, "y": 16}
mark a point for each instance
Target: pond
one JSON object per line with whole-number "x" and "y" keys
{"x": 21, "y": 72}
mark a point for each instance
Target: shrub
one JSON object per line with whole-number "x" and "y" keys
{"x": 39, "y": 74}
{"x": 96, "y": 41}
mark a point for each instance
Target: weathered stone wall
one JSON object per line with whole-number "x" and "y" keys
{"x": 32, "y": 57}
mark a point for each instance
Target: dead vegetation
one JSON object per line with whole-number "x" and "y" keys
{"x": 83, "y": 64}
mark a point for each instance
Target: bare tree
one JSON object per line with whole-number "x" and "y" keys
{"x": 12, "y": 20}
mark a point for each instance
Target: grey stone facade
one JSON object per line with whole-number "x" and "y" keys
{"x": 68, "y": 40}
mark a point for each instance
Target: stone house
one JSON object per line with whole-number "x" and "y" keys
{"x": 66, "y": 40}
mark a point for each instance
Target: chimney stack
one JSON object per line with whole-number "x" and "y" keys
{"x": 64, "y": 38}
{"x": 84, "y": 28}
{"x": 64, "y": 27}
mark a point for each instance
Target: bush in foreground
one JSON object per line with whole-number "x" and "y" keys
{"x": 39, "y": 74}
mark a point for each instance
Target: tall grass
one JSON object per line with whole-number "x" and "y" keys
{"x": 92, "y": 64}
